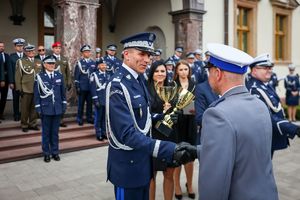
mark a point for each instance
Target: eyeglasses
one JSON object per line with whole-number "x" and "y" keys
{"x": 41, "y": 50}
{"x": 265, "y": 68}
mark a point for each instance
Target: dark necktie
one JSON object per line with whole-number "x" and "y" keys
{"x": 51, "y": 77}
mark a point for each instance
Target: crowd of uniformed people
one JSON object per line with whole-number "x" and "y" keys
{"x": 39, "y": 83}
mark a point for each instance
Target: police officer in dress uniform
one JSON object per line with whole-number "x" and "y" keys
{"x": 112, "y": 62}
{"x": 50, "y": 103}
{"x": 98, "y": 54}
{"x": 18, "y": 54}
{"x": 200, "y": 66}
{"x": 84, "y": 67}
{"x": 177, "y": 55}
{"x": 98, "y": 84}
{"x": 129, "y": 123}
{"x": 26, "y": 69}
{"x": 292, "y": 87}
{"x": 261, "y": 70}
{"x": 5, "y": 60}
{"x": 62, "y": 66}
{"x": 236, "y": 134}
{"x": 170, "y": 70}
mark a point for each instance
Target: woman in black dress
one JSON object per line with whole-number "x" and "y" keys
{"x": 186, "y": 128}
{"x": 158, "y": 77}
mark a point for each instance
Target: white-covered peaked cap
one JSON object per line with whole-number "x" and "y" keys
{"x": 29, "y": 47}
{"x": 228, "y": 58}
{"x": 198, "y": 51}
{"x": 19, "y": 41}
{"x": 262, "y": 60}
{"x": 291, "y": 67}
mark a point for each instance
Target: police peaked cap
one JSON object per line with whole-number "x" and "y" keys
{"x": 190, "y": 55}
{"x": 179, "y": 49}
{"x": 85, "y": 47}
{"x": 19, "y": 41}
{"x": 141, "y": 41}
{"x": 49, "y": 59}
{"x": 98, "y": 50}
{"x": 262, "y": 60}
{"x": 112, "y": 47}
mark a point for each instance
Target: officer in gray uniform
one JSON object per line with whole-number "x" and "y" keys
{"x": 236, "y": 136}
{"x": 129, "y": 123}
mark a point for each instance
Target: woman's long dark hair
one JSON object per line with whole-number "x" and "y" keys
{"x": 152, "y": 70}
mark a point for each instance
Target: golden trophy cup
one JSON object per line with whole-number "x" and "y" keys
{"x": 166, "y": 93}
{"x": 185, "y": 97}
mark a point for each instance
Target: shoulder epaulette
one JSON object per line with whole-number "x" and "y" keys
{"x": 118, "y": 77}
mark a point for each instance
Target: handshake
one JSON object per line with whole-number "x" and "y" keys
{"x": 184, "y": 153}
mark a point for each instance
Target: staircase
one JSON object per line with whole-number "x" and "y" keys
{"x": 16, "y": 145}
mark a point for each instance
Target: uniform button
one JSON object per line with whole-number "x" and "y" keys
{"x": 131, "y": 161}
{"x": 163, "y": 160}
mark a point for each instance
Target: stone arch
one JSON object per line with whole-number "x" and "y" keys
{"x": 160, "y": 42}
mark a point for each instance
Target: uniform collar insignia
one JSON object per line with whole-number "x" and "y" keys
{"x": 128, "y": 76}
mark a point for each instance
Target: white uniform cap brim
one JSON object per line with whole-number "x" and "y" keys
{"x": 229, "y": 54}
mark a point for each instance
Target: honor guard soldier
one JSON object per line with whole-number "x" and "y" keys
{"x": 200, "y": 66}
{"x": 98, "y": 84}
{"x": 129, "y": 123}
{"x": 170, "y": 70}
{"x": 5, "y": 60}
{"x": 292, "y": 88}
{"x": 26, "y": 69}
{"x": 50, "y": 103}
{"x": 62, "y": 66}
{"x": 84, "y": 67}
{"x": 157, "y": 55}
{"x": 18, "y": 54}
{"x": 177, "y": 55}
{"x": 112, "y": 62}
{"x": 261, "y": 70}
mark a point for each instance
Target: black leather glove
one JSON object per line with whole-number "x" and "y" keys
{"x": 184, "y": 153}
{"x": 69, "y": 86}
{"x": 78, "y": 91}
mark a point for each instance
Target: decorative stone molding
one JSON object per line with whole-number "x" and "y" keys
{"x": 287, "y": 4}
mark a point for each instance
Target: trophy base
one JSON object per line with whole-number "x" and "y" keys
{"x": 163, "y": 129}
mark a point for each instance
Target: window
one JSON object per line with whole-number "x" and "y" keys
{"x": 245, "y": 26}
{"x": 243, "y": 29}
{"x": 282, "y": 35}
{"x": 46, "y": 23}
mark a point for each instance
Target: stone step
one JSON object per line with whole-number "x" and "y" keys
{"x": 16, "y": 132}
{"x": 16, "y": 154}
{"x": 33, "y": 139}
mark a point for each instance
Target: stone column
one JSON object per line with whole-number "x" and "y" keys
{"x": 189, "y": 24}
{"x": 76, "y": 25}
